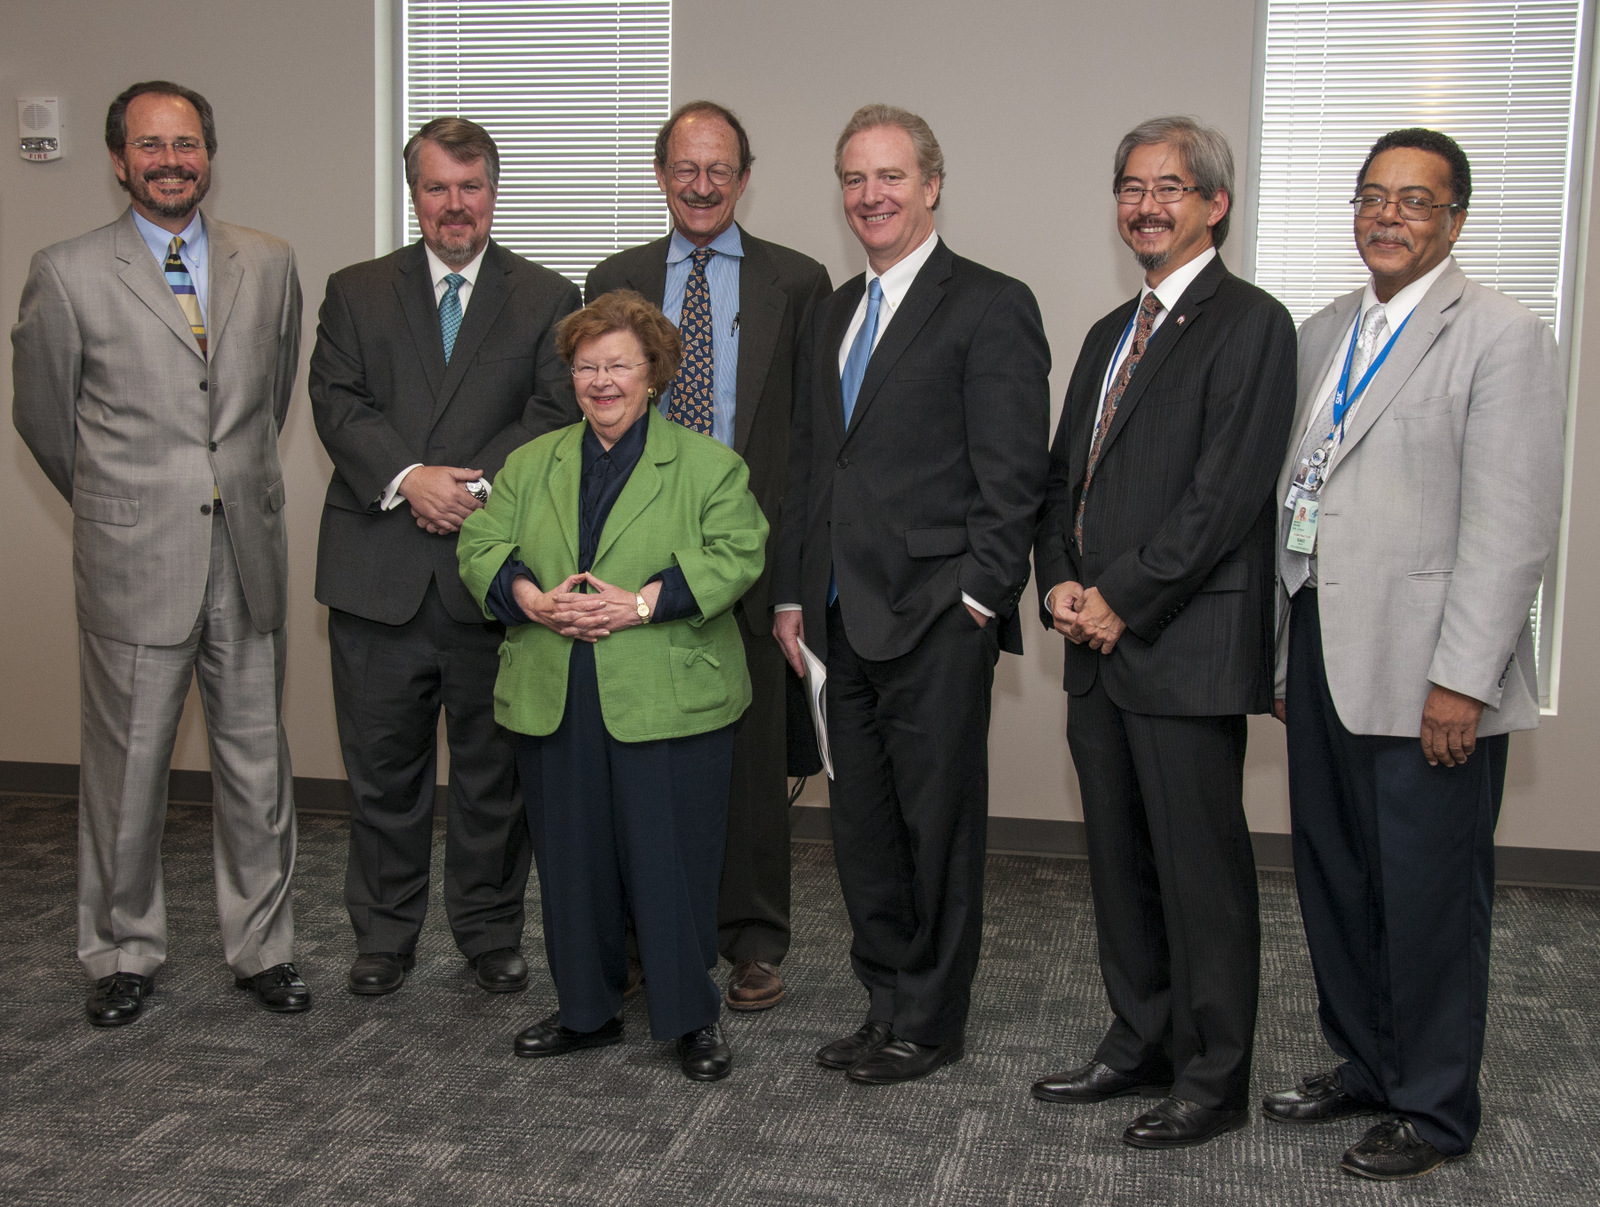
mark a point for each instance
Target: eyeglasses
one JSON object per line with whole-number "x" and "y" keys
{"x": 185, "y": 147}
{"x": 584, "y": 374}
{"x": 1412, "y": 209}
{"x": 720, "y": 174}
{"x": 1165, "y": 194}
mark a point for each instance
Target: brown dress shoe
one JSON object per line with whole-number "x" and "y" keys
{"x": 754, "y": 985}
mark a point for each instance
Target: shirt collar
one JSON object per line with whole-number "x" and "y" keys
{"x": 625, "y": 452}
{"x": 1179, "y": 279}
{"x": 438, "y": 270}
{"x": 1398, "y": 308}
{"x": 727, "y": 243}
{"x": 895, "y": 281}
{"x": 158, "y": 240}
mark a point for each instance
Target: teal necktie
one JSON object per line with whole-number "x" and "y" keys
{"x": 450, "y": 313}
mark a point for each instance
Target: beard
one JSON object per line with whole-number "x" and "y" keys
{"x": 457, "y": 252}
{"x": 1152, "y": 261}
{"x": 139, "y": 188}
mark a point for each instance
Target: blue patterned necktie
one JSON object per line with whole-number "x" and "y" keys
{"x": 182, "y": 285}
{"x": 450, "y": 313}
{"x": 692, "y": 395}
{"x": 855, "y": 364}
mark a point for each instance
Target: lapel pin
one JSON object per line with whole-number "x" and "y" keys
{"x": 1179, "y": 319}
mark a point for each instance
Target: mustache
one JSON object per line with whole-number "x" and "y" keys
{"x": 1400, "y": 237}
{"x": 700, "y": 199}
{"x": 451, "y": 217}
{"x": 170, "y": 173}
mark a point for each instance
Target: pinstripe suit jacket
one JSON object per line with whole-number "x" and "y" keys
{"x": 1179, "y": 524}
{"x": 133, "y": 425}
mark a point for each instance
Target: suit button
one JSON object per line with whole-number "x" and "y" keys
{"x": 205, "y": 509}
{"x": 213, "y": 446}
{"x": 205, "y": 385}
{"x": 844, "y": 462}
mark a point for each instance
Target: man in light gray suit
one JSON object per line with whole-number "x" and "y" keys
{"x": 153, "y": 361}
{"x": 1421, "y": 503}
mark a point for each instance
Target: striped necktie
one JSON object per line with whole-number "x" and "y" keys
{"x": 183, "y": 289}
{"x": 692, "y": 390}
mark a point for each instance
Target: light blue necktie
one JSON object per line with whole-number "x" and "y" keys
{"x": 450, "y": 313}
{"x": 855, "y": 368}
{"x": 855, "y": 364}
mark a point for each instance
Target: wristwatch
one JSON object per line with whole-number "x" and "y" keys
{"x": 643, "y": 609}
{"x": 477, "y": 490}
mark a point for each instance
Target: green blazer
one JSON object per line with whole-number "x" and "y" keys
{"x": 688, "y": 502}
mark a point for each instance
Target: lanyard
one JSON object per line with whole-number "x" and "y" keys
{"x": 1116, "y": 356}
{"x": 1344, "y": 397}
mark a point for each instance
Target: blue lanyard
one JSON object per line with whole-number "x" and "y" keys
{"x": 1344, "y": 398}
{"x": 1116, "y": 356}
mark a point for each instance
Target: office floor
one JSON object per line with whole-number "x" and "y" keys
{"x": 416, "y": 1099}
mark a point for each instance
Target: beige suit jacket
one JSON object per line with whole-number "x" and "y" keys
{"x": 1440, "y": 512}
{"x": 134, "y": 426}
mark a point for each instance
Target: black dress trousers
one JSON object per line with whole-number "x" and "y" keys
{"x": 1394, "y": 865}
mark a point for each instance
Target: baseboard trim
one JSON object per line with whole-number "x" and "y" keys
{"x": 1541, "y": 867}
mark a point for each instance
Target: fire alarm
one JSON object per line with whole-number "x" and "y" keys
{"x": 39, "y": 124}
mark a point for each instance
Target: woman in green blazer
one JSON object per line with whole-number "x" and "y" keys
{"x": 613, "y": 551}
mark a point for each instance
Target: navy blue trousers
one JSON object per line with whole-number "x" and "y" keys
{"x": 619, "y": 826}
{"x": 1394, "y": 864}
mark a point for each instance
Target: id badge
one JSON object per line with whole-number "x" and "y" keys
{"x": 1303, "y": 527}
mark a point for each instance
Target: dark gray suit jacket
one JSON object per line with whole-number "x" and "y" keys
{"x": 1178, "y": 532}
{"x": 383, "y": 399}
{"x": 777, "y": 289}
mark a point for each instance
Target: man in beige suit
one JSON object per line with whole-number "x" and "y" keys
{"x": 1419, "y": 506}
{"x": 153, "y": 362}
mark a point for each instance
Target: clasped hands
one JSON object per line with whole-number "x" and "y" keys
{"x": 1084, "y": 618}
{"x": 439, "y": 497}
{"x": 584, "y": 616}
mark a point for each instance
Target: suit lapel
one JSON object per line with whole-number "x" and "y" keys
{"x": 761, "y": 305}
{"x": 1422, "y": 328}
{"x": 643, "y": 484}
{"x": 825, "y": 375}
{"x": 415, "y": 292}
{"x": 226, "y": 275}
{"x": 1087, "y": 400}
{"x": 489, "y": 295}
{"x": 141, "y": 273}
{"x": 921, "y": 300}
{"x": 564, "y": 490}
{"x": 648, "y": 275}
{"x": 1316, "y": 355}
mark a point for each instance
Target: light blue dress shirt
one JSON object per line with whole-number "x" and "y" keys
{"x": 722, "y": 275}
{"x": 195, "y": 252}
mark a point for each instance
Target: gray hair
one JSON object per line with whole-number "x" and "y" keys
{"x": 458, "y": 138}
{"x": 930, "y": 158}
{"x": 1205, "y": 153}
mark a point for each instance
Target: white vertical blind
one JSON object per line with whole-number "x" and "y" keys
{"x": 573, "y": 92}
{"x": 1498, "y": 76}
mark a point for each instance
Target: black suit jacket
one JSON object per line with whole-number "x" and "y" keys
{"x": 1178, "y": 532}
{"x": 384, "y": 398}
{"x": 777, "y": 289}
{"x": 934, "y": 489}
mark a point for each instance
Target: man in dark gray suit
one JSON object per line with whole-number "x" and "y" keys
{"x": 738, "y": 386}
{"x": 1154, "y": 560}
{"x": 154, "y": 359}
{"x": 432, "y": 364}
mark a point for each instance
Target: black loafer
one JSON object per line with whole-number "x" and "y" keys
{"x": 1095, "y": 1082}
{"x": 278, "y": 989}
{"x": 1392, "y": 1150}
{"x": 1178, "y": 1123}
{"x": 863, "y": 1041}
{"x": 118, "y": 999}
{"x": 379, "y": 972}
{"x": 502, "y": 970}
{"x": 901, "y": 1060}
{"x": 1318, "y": 1099}
{"x": 548, "y": 1037}
{"x": 705, "y": 1054}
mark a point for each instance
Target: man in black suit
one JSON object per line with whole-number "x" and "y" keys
{"x": 1154, "y": 560}
{"x": 916, "y": 470}
{"x": 432, "y": 364}
{"x": 738, "y": 386}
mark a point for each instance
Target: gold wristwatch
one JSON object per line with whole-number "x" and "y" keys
{"x": 643, "y": 609}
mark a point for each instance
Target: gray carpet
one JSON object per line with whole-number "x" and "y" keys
{"x": 416, "y": 1099}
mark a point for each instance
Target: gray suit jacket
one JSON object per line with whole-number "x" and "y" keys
{"x": 133, "y": 425}
{"x": 1440, "y": 512}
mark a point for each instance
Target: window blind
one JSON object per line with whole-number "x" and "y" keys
{"x": 573, "y": 92}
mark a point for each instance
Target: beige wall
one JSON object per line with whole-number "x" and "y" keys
{"x": 1028, "y": 100}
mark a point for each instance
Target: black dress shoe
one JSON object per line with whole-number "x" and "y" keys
{"x": 118, "y": 998}
{"x": 278, "y": 989}
{"x": 705, "y": 1054}
{"x": 901, "y": 1060}
{"x": 1318, "y": 1099}
{"x": 502, "y": 970}
{"x": 380, "y": 972}
{"x": 1392, "y": 1150}
{"x": 1178, "y": 1123}
{"x": 548, "y": 1037}
{"x": 1095, "y": 1082}
{"x": 863, "y": 1041}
